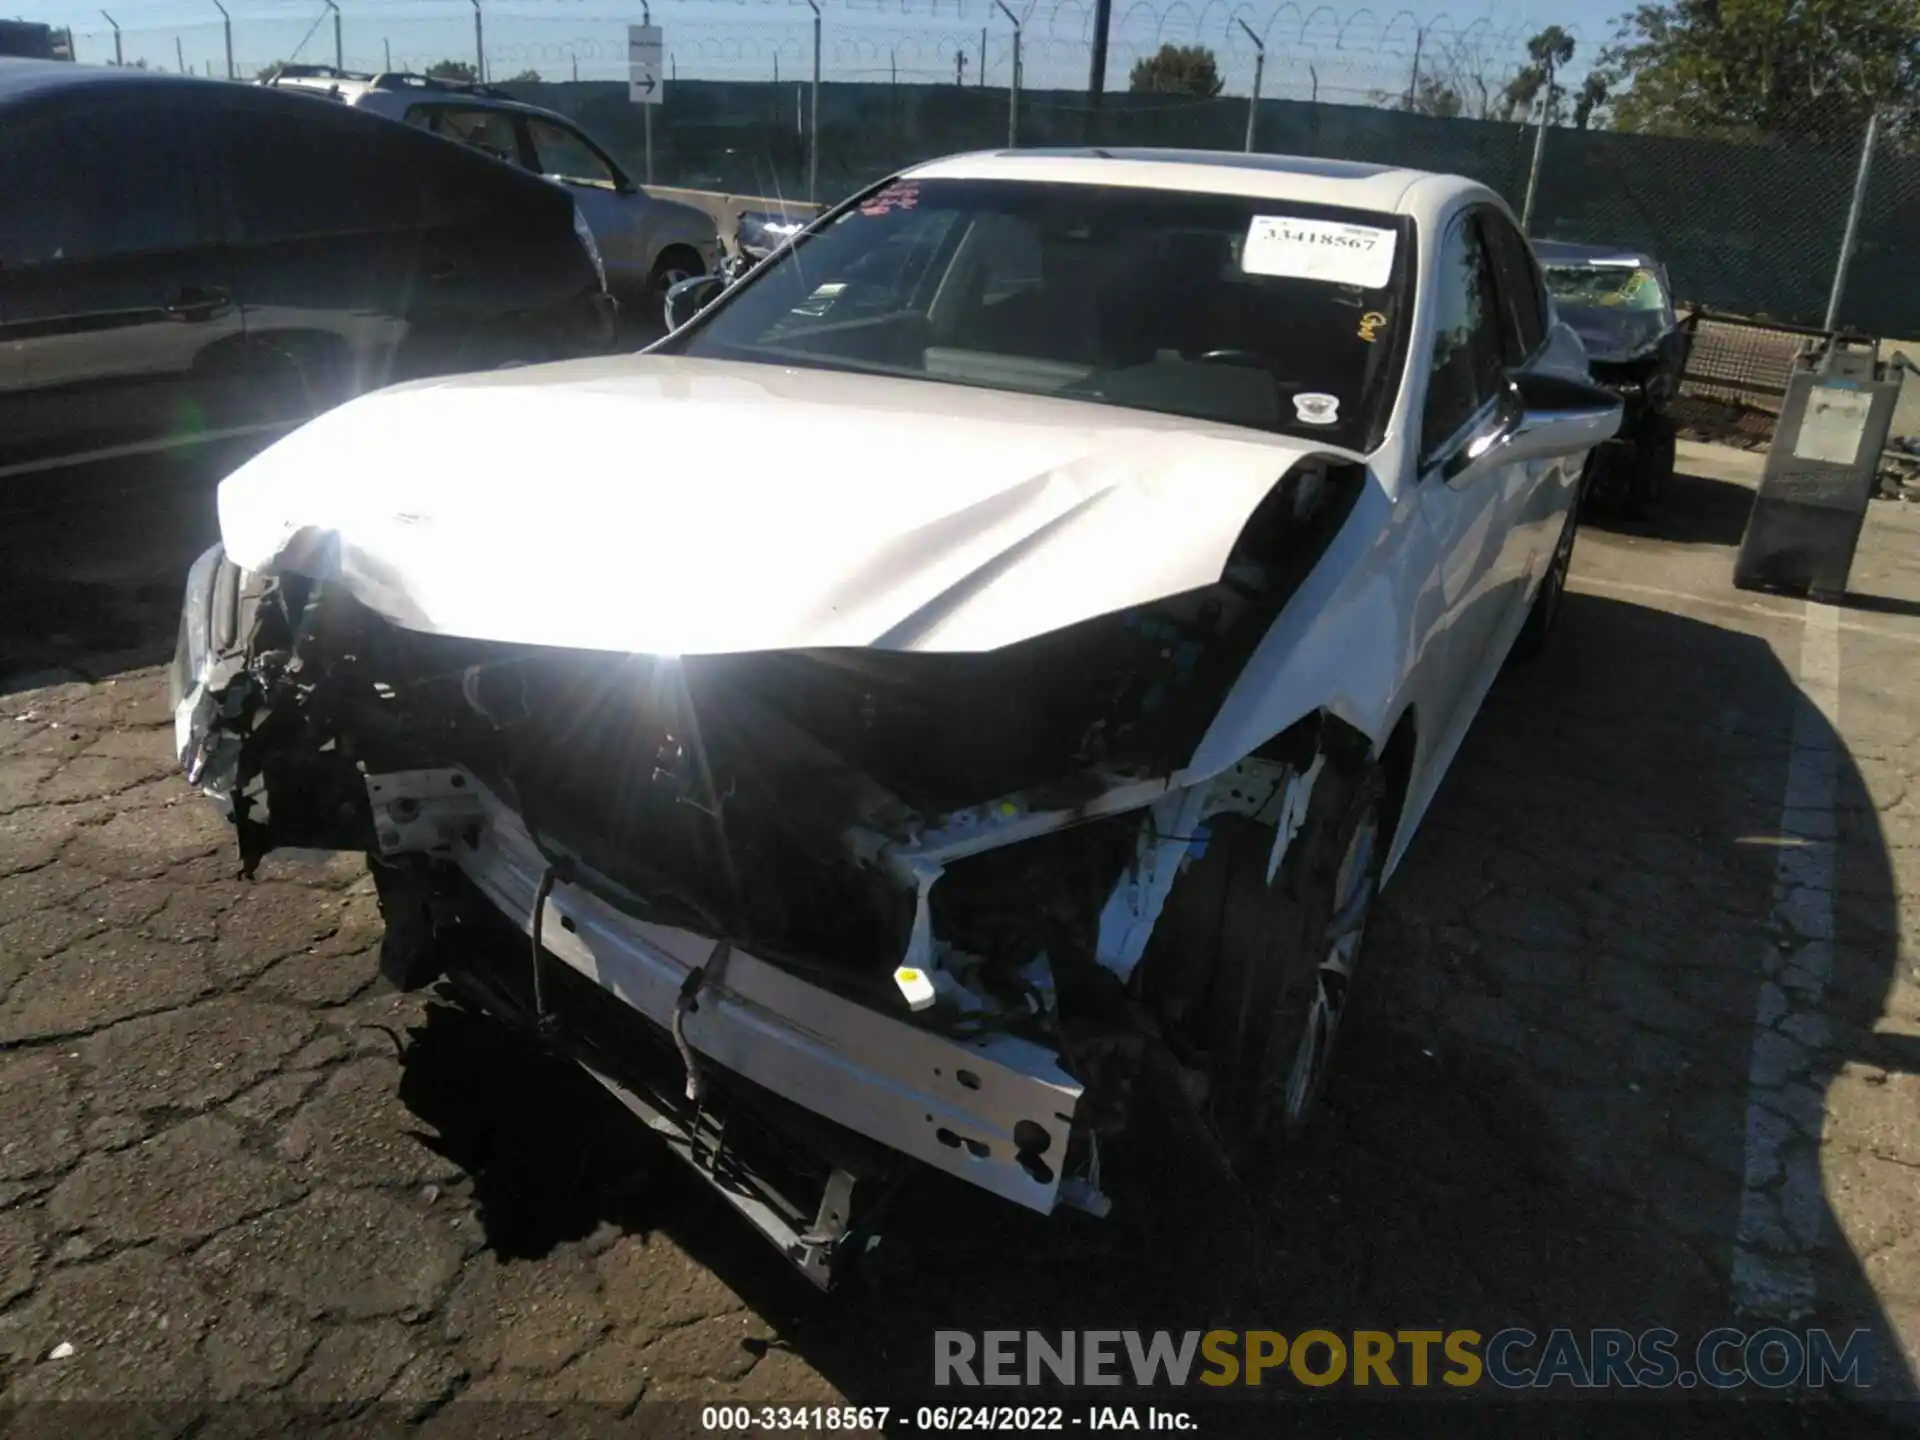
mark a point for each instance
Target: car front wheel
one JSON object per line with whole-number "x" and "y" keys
{"x": 1532, "y": 640}
{"x": 1653, "y": 461}
{"x": 1256, "y": 979}
{"x": 673, "y": 266}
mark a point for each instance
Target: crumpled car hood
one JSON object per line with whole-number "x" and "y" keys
{"x": 652, "y": 504}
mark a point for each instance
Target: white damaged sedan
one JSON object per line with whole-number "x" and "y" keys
{"x": 993, "y": 653}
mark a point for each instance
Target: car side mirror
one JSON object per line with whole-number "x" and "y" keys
{"x": 1537, "y": 417}
{"x": 1559, "y": 415}
{"x": 687, "y": 298}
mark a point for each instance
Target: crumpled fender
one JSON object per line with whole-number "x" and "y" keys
{"x": 1340, "y": 645}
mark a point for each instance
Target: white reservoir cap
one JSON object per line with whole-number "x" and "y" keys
{"x": 916, "y": 985}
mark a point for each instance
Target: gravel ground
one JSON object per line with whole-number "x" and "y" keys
{"x": 234, "y": 1168}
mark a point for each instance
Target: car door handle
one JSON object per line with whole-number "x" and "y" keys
{"x": 193, "y": 303}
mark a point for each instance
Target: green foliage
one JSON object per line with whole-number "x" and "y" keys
{"x": 1178, "y": 70}
{"x": 525, "y": 77}
{"x": 1548, "y": 53}
{"x": 1764, "y": 67}
{"x": 457, "y": 70}
{"x": 1434, "y": 96}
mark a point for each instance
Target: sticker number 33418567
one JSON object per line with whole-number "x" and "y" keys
{"x": 1322, "y": 250}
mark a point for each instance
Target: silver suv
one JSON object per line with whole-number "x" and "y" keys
{"x": 647, "y": 244}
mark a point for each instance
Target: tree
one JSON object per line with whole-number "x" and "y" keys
{"x": 1764, "y": 67}
{"x": 525, "y": 77}
{"x": 1548, "y": 53}
{"x": 1434, "y": 96}
{"x": 268, "y": 72}
{"x": 1591, "y": 100}
{"x": 1178, "y": 70}
{"x": 1453, "y": 82}
{"x": 457, "y": 70}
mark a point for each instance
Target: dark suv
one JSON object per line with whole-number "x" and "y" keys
{"x": 187, "y": 260}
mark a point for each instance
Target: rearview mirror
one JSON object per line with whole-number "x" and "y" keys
{"x": 689, "y": 297}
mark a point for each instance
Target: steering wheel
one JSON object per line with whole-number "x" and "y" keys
{"x": 1234, "y": 357}
{"x": 1247, "y": 357}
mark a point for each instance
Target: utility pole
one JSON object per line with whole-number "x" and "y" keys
{"x": 1013, "y": 86}
{"x": 386, "y": 49}
{"x": 1851, "y": 236}
{"x": 1259, "y": 71}
{"x": 226, "y": 25}
{"x": 1539, "y": 153}
{"x": 959, "y": 67}
{"x": 339, "y": 53}
{"x": 118, "y": 58}
{"x": 1097, "y": 75}
{"x": 1413, "y": 81}
{"x": 479, "y": 46}
{"x": 980, "y": 76}
{"x": 646, "y": 111}
{"x": 179, "y": 55}
{"x": 813, "y": 117}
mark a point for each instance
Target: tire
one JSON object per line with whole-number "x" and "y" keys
{"x": 1258, "y": 978}
{"x": 1652, "y": 470}
{"x": 675, "y": 264}
{"x": 1544, "y": 614}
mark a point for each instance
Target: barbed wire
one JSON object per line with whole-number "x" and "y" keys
{"x": 1311, "y": 49}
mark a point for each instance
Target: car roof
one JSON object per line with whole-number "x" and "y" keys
{"x": 357, "y": 87}
{"x": 1568, "y": 252}
{"x": 1303, "y": 179}
{"x": 21, "y": 79}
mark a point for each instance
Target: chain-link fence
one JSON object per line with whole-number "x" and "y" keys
{"x": 1752, "y": 222}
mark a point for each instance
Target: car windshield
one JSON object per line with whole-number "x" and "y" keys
{"x": 1261, "y": 313}
{"x": 1614, "y": 287}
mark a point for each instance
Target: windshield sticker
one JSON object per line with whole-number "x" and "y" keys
{"x": 1319, "y": 250}
{"x": 1370, "y": 324}
{"x": 1317, "y": 409}
{"x": 894, "y": 197}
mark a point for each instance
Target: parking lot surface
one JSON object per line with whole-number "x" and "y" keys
{"x": 1641, "y": 1047}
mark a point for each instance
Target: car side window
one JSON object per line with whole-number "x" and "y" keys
{"x": 1468, "y": 361}
{"x": 488, "y": 131}
{"x": 97, "y": 183}
{"x": 564, "y": 154}
{"x": 318, "y": 172}
{"x": 1523, "y": 302}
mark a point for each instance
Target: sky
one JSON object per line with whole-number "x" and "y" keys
{"x": 1346, "y": 51}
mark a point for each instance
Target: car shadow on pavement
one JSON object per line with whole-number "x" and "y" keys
{"x": 95, "y": 563}
{"x": 1541, "y": 1120}
{"x": 1695, "y": 510}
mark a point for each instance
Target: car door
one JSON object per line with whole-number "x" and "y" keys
{"x": 1467, "y": 498}
{"x": 622, "y": 218}
{"x": 117, "y": 315}
{"x": 324, "y": 215}
{"x": 1549, "y": 485}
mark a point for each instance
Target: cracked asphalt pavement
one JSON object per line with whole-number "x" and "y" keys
{"x": 234, "y": 1167}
